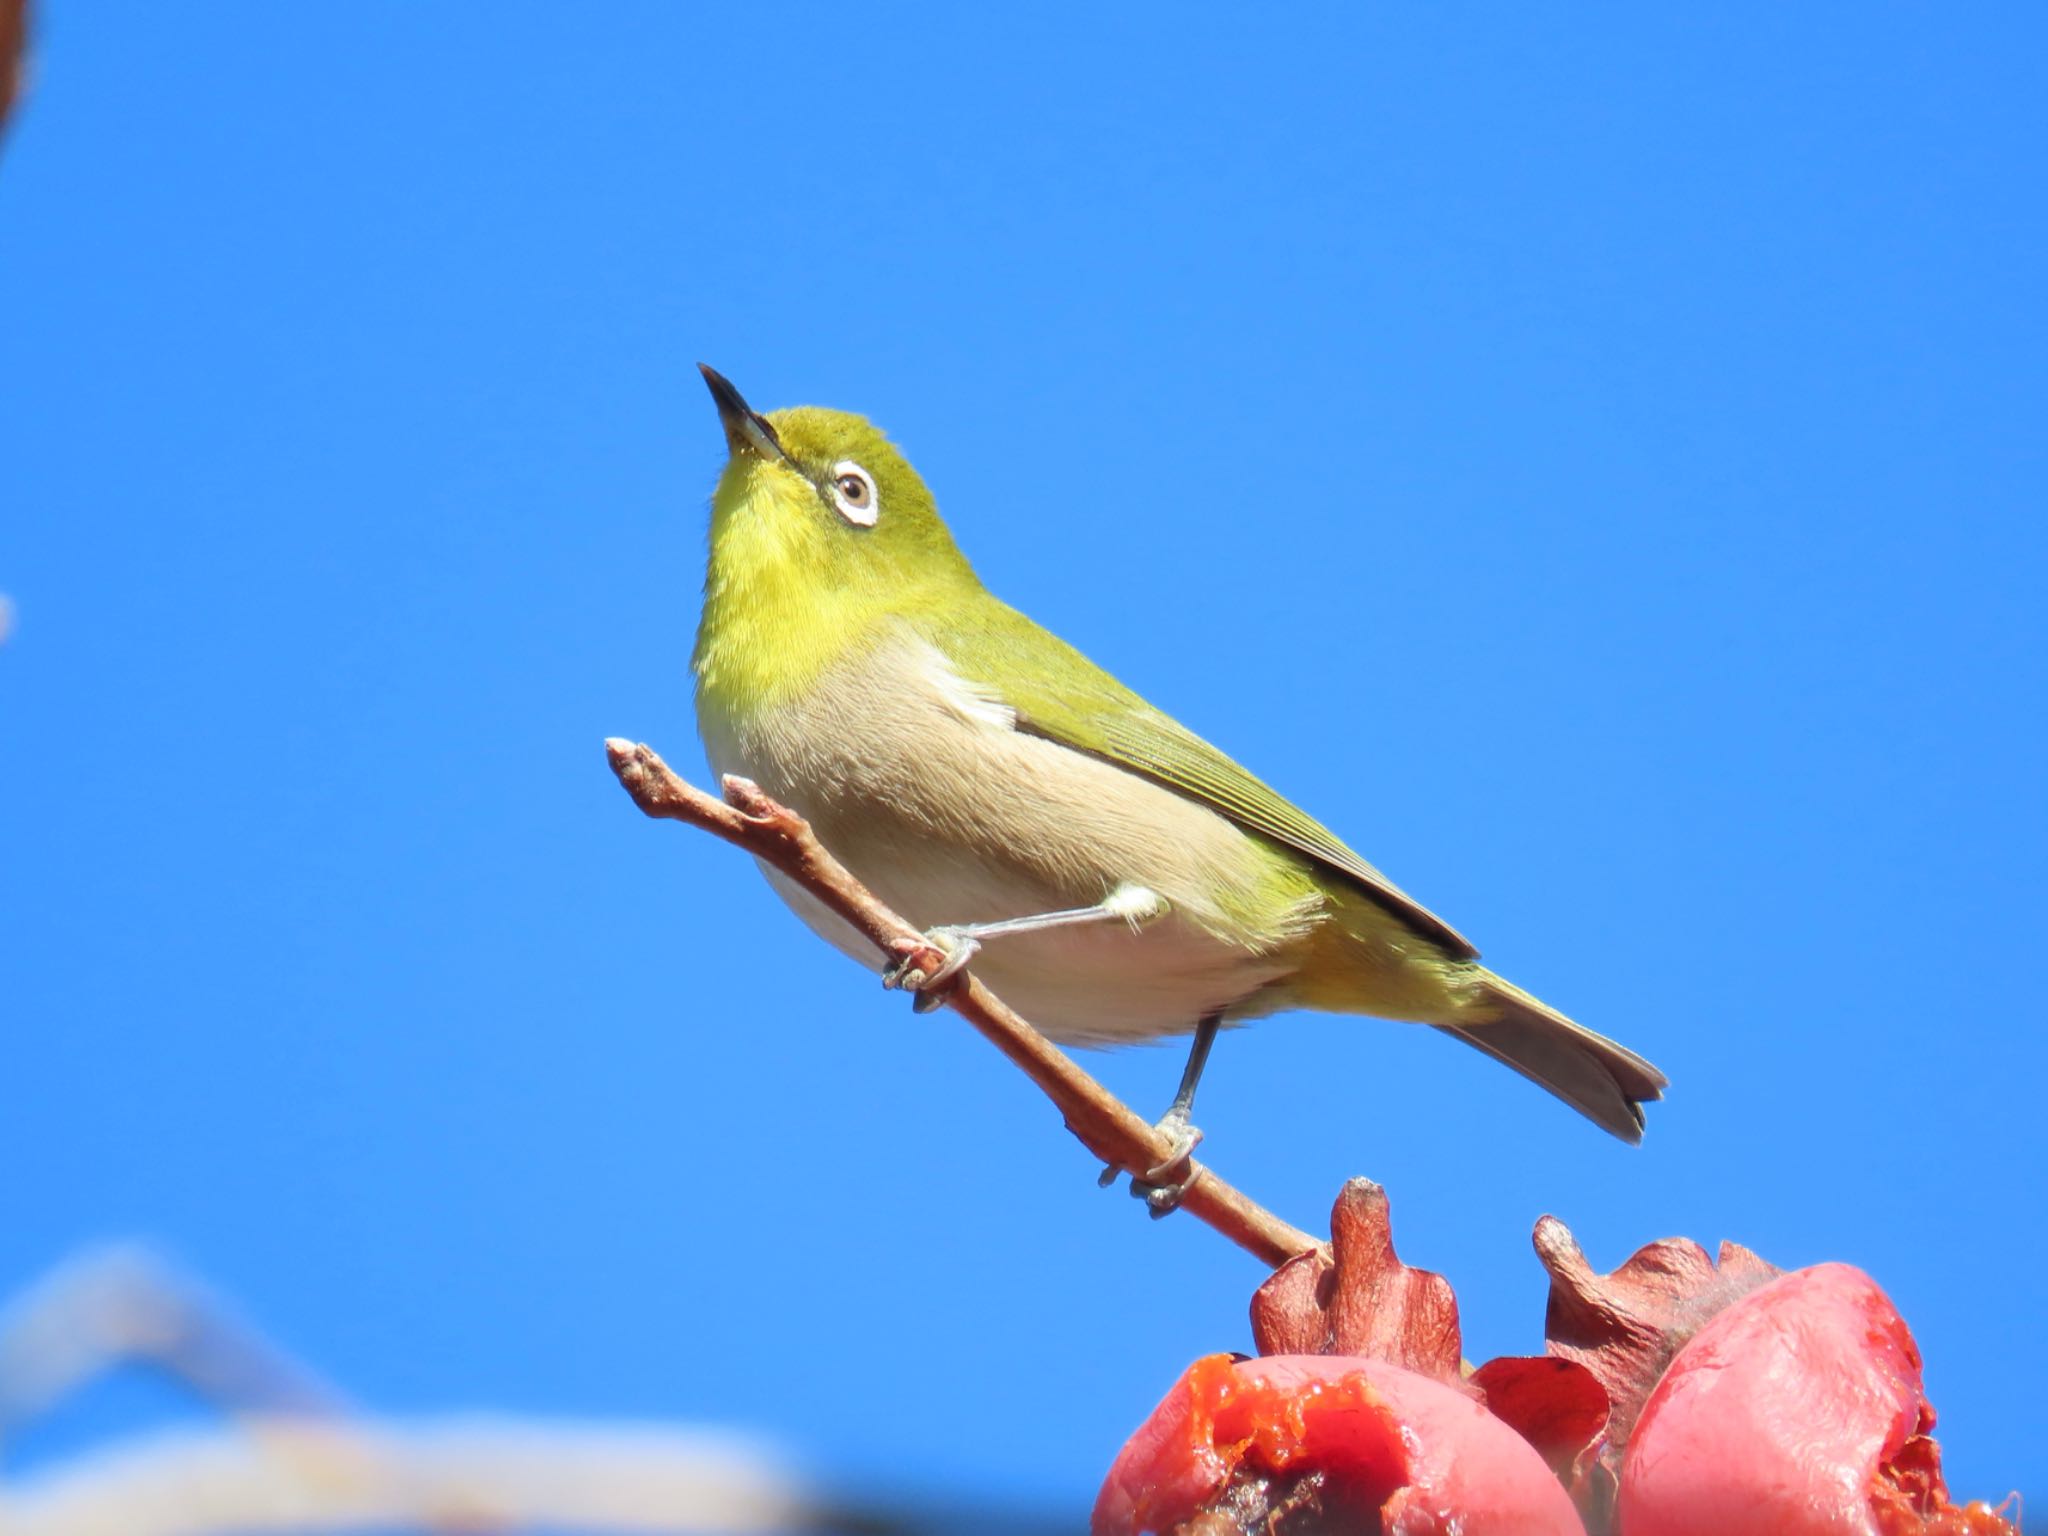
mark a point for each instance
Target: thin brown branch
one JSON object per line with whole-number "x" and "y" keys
{"x": 1104, "y": 1124}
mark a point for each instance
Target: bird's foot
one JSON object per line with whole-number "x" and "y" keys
{"x": 1165, "y": 1184}
{"x": 926, "y": 968}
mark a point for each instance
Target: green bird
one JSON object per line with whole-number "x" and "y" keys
{"x": 1109, "y": 873}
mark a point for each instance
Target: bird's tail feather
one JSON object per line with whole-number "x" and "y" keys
{"x": 1605, "y": 1082}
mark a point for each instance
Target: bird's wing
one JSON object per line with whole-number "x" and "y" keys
{"x": 1061, "y": 695}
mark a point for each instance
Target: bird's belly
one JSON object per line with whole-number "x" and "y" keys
{"x": 1098, "y": 984}
{"x": 954, "y": 818}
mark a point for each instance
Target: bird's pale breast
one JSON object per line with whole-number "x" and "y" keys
{"x": 926, "y": 790}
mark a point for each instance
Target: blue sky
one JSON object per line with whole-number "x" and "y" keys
{"x": 1593, "y": 461}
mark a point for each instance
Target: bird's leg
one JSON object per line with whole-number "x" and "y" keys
{"x": 1165, "y": 1183}
{"x": 959, "y": 943}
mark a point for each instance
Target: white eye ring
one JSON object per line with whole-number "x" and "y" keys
{"x": 854, "y": 494}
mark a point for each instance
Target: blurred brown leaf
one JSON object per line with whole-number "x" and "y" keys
{"x": 13, "y": 41}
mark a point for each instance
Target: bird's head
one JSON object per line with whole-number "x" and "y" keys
{"x": 822, "y": 498}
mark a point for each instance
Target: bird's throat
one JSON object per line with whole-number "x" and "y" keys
{"x": 776, "y": 613}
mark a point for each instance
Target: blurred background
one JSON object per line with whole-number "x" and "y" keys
{"x": 1594, "y": 462}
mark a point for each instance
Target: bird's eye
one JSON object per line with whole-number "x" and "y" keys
{"x": 853, "y": 493}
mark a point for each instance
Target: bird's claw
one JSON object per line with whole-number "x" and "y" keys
{"x": 926, "y": 967}
{"x": 1161, "y": 1200}
{"x": 1165, "y": 1184}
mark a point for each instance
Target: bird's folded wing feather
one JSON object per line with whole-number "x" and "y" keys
{"x": 1060, "y": 695}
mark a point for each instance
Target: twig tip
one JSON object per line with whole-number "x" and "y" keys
{"x": 744, "y": 795}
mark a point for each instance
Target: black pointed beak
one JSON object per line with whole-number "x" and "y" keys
{"x": 746, "y": 430}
